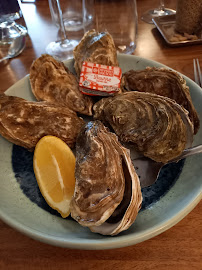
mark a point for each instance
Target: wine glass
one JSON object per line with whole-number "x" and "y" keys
{"x": 156, "y": 12}
{"x": 63, "y": 48}
{"x": 75, "y": 14}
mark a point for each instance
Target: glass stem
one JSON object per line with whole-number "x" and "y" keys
{"x": 162, "y": 5}
{"x": 84, "y": 12}
{"x": 61, "y": 23}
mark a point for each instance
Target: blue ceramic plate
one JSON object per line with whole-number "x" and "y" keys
{"x": 174, "y": 195}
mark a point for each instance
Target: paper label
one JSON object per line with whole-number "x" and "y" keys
{"x": 96, "y": 79}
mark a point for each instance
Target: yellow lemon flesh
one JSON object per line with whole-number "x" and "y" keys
{"x": 54, "y": 166}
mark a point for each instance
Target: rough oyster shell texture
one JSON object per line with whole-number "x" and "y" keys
{"x": 157, "y": 126}
{"x": 24, "y": 122}
{"x": 97, "y": 48}
{"x": 52, "y": 82}
{"x": 107, "y": 194}
{"x": 163, "y": 82}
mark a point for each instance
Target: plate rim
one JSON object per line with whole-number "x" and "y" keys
{"x": 113, "y": 243}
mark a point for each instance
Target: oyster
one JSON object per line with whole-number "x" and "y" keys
{"x": 107, "y": 194}
{"x": 24, "y": 122}
{"x": 163, "y": 82}
{"x": 97, "y": 48}
{"x": 51, "y": 81}
{"x": 157, "y": 126}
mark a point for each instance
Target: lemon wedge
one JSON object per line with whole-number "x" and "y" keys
{"x": 54, "y": 166}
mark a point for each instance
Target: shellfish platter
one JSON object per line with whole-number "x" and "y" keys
{"x": 155, "y": 113}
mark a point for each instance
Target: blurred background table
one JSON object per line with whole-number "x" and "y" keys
{"x": 178, "y": 248}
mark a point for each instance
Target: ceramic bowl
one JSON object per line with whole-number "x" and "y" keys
{"x": 22, "y": 207}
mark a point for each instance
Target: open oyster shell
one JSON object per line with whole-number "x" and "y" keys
{"x": 97, "y": 48}
{"x": 158, "y": 126}
{"x": 52, "y": 82}
{"x": 107, "y": 194}
{"x": 163, "y": 82}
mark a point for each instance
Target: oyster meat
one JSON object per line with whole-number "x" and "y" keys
{"x": 157, "y": 126}
{"x": 107, "y": 194}
{"x": 163, "y": 82}
{"x": 52, "y": 82}
{"x": 97, "y": 48}
{"x": 24, "y": 122}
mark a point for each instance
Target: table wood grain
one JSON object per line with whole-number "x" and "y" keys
{"x": 179, "y": 247}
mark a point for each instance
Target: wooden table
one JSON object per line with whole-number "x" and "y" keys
{"x": 178, "y": 248}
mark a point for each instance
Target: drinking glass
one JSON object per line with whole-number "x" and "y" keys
{"x": 119, "y": 18}
{"x": 63, "y": 48}
{"x": 75, "y": 13}
{"x": 156, "y": 12}
{"x": 74, "y": 18}
{"x": 9, "y": 29}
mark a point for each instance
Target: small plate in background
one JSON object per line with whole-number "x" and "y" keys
{"x": 166, "y": 26}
